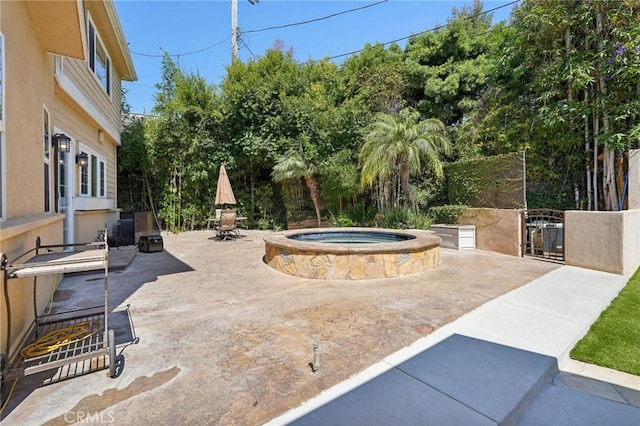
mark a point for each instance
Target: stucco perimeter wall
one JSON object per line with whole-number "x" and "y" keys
{"x": 498, "y": 230}
{"x": 605, "y": 241}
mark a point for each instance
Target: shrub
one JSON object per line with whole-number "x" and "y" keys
{"x": 404, "y": 218}
{"x": 340, "y": 221}
{"x": 361, "y": 215}
{"x": 264, "y": 224}
{"x": 550, "y": 196}
{"x": 421, "y": 221}
{"x": 275, "y": 223}
{"x": 447, "y": 214}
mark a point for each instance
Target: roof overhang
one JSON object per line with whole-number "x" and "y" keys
{"x": 60, "y": 26}
{"x": 105, "y": 17}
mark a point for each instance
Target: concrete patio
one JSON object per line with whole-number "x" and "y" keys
{"x": 224, "y": 339}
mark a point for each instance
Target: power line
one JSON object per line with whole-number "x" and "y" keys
{"x": 439, "y": 27}
{"x": 404, "y": 38}
{"x": 226, "y": 14}
{"x": 148, "y": 55}
{"x": 315, "y": 19}
{"x": 245, "y": 45}
{"x": 130, "y": 83}
{"x": 326, "y": 17}
{"x": 181, "y": 54}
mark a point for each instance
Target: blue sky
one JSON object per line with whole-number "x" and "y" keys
{"x": 183, "y": 27}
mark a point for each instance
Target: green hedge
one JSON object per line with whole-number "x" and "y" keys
{"x": 496, "y": 182}
{"x": 447, "y": 214}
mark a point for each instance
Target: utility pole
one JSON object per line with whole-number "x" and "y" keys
{"x": 235, "y": 32}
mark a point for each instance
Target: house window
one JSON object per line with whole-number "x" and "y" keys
{"x": 93, "y": 176}
{"x": 102, "y": 175}
{"x": 99, "y": 61}
{"x": 62, "y": 176}
{"x": 47, "y": 162}
{"x": 84, "y": 180}
{"x": 2, "y": 154}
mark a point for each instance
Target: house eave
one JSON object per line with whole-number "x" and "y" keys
{"x": 106, "y": 19}
{"x": 60, "y": 26}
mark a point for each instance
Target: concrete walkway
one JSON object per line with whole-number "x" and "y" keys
{"x": 224, "y": 339}
{"x": 497, "y": 364}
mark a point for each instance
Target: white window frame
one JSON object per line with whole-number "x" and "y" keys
{"x": 92, "y": 56}
{"x": 47, "y": 153}
{"x": 100, "y": 175}
{"x": 3, "y": 168}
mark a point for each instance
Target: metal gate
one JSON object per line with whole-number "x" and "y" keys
{"x": 543, "y": 234}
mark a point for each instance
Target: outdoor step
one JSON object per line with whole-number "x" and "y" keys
{"x": 559, "y": 404}
{"x": 461, "y": 380}
{"x": 498, "y": 381}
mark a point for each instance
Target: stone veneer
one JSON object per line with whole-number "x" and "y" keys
{"x": 332, "y": 261}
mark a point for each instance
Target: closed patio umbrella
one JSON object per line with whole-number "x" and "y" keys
{"x": 224, "y": 192}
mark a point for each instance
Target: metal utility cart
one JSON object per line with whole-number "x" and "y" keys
{"x": 62, "y": 338}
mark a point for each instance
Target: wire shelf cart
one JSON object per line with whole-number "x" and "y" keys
{"x": 61, "y": 339}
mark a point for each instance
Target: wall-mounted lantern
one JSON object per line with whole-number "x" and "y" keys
{"x": 61, "y": 142}
{"x": 82, "y": 159}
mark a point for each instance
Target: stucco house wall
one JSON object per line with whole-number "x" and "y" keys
{"x": 26, "y": 64}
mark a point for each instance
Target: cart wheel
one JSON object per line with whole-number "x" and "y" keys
{"x": 112, "y": 353}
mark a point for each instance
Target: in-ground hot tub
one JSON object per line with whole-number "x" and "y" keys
{"x": 352, "y": 253}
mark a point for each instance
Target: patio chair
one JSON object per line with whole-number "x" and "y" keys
{"x": 214, "y": 220}
{"x": 227, "y": 226}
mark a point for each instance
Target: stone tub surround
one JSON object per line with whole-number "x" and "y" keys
{"x": 352, "y": 261}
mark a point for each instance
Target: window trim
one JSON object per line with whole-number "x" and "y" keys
{"x": 92, "y": 56}
{"x": 3, "y": 164}
{"x": 47, "y": 152}
{"x": 100, "y": 190}
{"x": 3, "y": 93}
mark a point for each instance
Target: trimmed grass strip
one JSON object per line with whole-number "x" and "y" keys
{"x": 613, "y": 341}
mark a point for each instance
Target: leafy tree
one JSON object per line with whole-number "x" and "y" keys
{"x": 376, "y": 78}
{"x": 134, "y": 165}
{"x": 273, "y": 105}
{"x": 340, "y": 181}
{"x": 295, "y": 165}
{"x": 448, "y": 68}
{"x": 567, "y": 93}
{"x": 184, "y": 146}
{"x": 259, "y": 125}
{"x": 561, "y": 82}
{"x": 405, "y": 143}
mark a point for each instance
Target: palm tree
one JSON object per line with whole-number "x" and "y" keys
{"x": 295, "y": 165}
{"x": 402, "y": 142}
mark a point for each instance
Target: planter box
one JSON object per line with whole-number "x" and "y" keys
{"x": 457, "y": 237}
